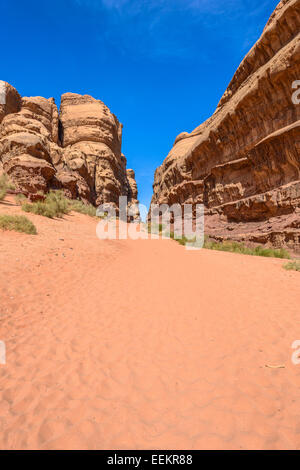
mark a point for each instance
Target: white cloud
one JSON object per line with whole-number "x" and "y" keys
{"x": 161, "y": 29}
{"x": 132, "y": 7}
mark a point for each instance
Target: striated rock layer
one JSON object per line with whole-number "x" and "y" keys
{"x": 77, "y": 149}
{"x": 243, "y": 163}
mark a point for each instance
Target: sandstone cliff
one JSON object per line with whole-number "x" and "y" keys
{"x": 243, "y": 163}
{"x": 77, "y": 149}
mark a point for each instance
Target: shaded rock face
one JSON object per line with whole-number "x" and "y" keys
{"x": 77, "y": 150}
{"x": 243, "y": 163}
{"x": 133, "y": 195}
{"x": 132, "y": 185}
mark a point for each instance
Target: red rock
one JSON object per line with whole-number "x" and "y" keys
{"x": 243, "y": 163}
{"x": 77, "y": 150}
{"x": 132, "y": 194}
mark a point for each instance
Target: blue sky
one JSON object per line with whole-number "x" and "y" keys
{"x": 161, "y": 66}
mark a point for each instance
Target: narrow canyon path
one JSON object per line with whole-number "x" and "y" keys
{"x": 143, "y": 345}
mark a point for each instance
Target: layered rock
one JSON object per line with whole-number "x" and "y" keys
{"x": 133, "y": 195}
{"x": 92, "y": 137}
{"x": 243, "y": 163}
{"x": 77, "y": 150}
{"x": 25, "y": 145}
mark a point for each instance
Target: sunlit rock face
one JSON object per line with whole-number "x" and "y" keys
{"x": 77, "y": 149}
{"x": 243, "y": 163}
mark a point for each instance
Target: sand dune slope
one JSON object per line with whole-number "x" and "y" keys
{"x": 141, "y": 344}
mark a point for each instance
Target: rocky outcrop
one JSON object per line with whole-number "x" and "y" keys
{"x": 243, "y": 163}
{"x": 27, "y": 134}
{"x": 92, "y": 137}
{"x": 132, "y": 185}
{"x": 133, "y": 195}
{"x": 77, "y": 149}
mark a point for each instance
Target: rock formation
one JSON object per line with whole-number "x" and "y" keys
{"x": 243, "y": 163}
{"x": 77, "y": 149}
{"x": 133, "y": 195}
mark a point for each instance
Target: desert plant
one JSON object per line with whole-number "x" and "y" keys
{"x": 271, "y": 252}
{"x": 235, "y": 247}
{"x": 292, "y": 266}
{"x": 183, "y": 240}
{"x": 6, "y": 182}
{"x": 79, "y": 206}
{"x": 18, "y": 223}
{"x": 54, "y": 205}
{"x": 20, "y": 199}
{"x": 2, "y": 193}
{"x": 155, "y": 228}
{"x": 5, "y": 185}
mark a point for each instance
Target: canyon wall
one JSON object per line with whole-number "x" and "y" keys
{"x": 243, "y": 163}
{"x": 76, "y": 149}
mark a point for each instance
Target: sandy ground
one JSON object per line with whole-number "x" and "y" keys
{"x": 142, "y": 344}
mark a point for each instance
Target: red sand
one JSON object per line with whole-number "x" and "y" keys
{"x": 143, "y": 345}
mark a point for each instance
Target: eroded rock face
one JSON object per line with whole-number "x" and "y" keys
{"x": 133, "y": 195}
{"x": 26, "y": 138}
{"x": 243, "y": 163}
{"x": 77, "y": 150}
{"x": 92, "y": 137}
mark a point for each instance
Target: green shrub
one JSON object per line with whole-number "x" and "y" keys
{"x": 20, "y": 199}
{"x": 235, "y": 247}
{"x": 293, "y": 266}
{"x": 155, "y": 228}
{"x": 55, "y": 205}
{"x": 5, "y": 185}
{"x": 271, "y": 252}
{"x": 19, "y": 223}
{"x": 183, "y": 240}
{"x": 79, "y": 206}
{"x": 2, "y": 194}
